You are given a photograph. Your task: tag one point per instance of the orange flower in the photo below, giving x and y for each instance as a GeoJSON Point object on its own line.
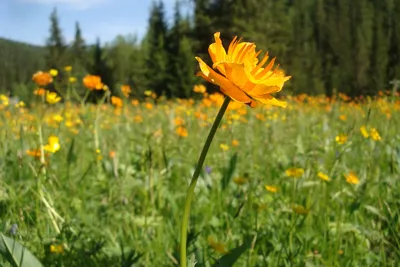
{"type": "Point", "coordinates": [241, 76]}
{"type": "Point", "coordinates": [181, 131]}
{"type": "Point", "coordinates": [39, 92]}
{"type": "Point", "coordinates": [93, 82]}
{"type": "Point", "coordinates": [116, 101]}
{"type": "Point", "coordinates": [42, 78]}
{"type": "Point", "coordinates": [126, 90]}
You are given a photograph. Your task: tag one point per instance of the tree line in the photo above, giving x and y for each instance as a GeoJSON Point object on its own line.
{"type": "Point", "coordinates": [327, 46]}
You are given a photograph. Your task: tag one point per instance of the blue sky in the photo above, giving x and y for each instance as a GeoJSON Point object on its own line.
{"type": "Point", "coordinates": [28, 20]}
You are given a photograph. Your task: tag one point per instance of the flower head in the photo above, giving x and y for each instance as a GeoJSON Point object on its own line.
{"type": "Point", "coordinates": [53, 144]}
{"type": "Point", "coordinates": [364, 131]}
{"type": "Point", "coordinates": [294, 172]}
{"type": "Point", "coordinates": [341, 139]}
{"type": "Point", "coordinates": [323, 176]}
{"type": "Point", "coordinates": [52, 97]}
{"type": "Point", "coordinates": [271, 188]}
{"type": "Point", "coordinates": [241, 76]}
{"type": "Point", "coordinates": [126, 90]}
{"type": "Point", "coordinates": [42, 78]}
{"type": "Point", "coordinates": [53, 72]}
{"type": "Point", "coordinates": [117, 102]}
{"type": "Point", "coordinates": [93, 82]}
{"type": "Point", "coordinates": [351, 178]}
{"type": "Point", "coordinates": [375, 134]}
{"type": "Point", "coordinates": [201, 89]}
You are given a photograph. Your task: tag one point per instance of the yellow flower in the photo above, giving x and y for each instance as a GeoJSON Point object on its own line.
{"type": "Point", "coordinates": [235, 142]}
{"type": "Point", "coordinates": [242, 77]}
{"type": "Point", "coordinates": [341, 139]}
{"type": "Point", "coordinates": [72, 79]}
{"type": "Point", "coordinates": [68, 68]}
{"type": "Point", "coordinates": [148, 93]}
{"type": "Point", "coordinates": [93, 82]}
{"type": "Point", "coordinates": [351, 178]}
{"type": "Point", "coordinates": [343, 117]}
{"type": "Point", "coordinates": [224, 147]}
{"type": "Point", "coordinates": [135, 102]}
{"type": "Point", "coordinates": [138, 119]}
{"type": "Point", "coordinates": [42, 78]}
{"type": "Point", "coordinates": [323, 176]}
{"type": "Point", "coordinates": [364, 131]}
{"type": "Point", "coordinates": [53, 144]}
{"type": "Point", "coordinates": [300, 210]}
{"type": "Point", "coordinates": [56, 249]}
{"type": "Point", "coordinates": [116, 101]}
{"type": "Point", "coordinates": [53, 72]}
{"type": "Point", "coordinates": [375, 134]}
{"type": "Point", "coordinates": [179, 121]}
{"type": "Point", "coordinates": [4, 99]}
{"type": "Point", "coordinates": [294, 172]}
{"type": "Point", "coordinates": [199, 89]}
{"type": "Point", "coordinates": [149, 105]}
{"type": "Point", "coordinates": [217, 246]}
{"type": "Point", "coordinates": [181, 131]}
{"type": "Point", "coordinates": [271, 188]}
{"type": "Point", "coordinates": [126, 90]}
{"type": "Point", "coordinates": [240, 180]}
{"type": "Point", "coordinates": [52, 97]}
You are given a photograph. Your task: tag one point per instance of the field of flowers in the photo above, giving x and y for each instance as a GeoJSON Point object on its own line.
{"type": "Point", "coordinates": [314, 184]}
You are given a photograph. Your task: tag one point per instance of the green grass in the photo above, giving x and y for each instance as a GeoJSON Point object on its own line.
{"type": "Point", "coordinates": [128, 208]}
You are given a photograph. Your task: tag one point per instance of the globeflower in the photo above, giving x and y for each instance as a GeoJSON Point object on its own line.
{"type": "Point", "coordinates": [42, 78]}
{"type": "Point", "coordinates": [93, 82]}
{"type": "Point", "coordinates": [52, 97]}
{"type": "Point", "coordinates": [53, 144]}
{"type": "Point", "coordinates": [241, 75]}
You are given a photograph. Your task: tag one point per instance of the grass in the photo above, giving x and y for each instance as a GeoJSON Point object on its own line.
{"type": "Point", "coordinates": [113, 194]}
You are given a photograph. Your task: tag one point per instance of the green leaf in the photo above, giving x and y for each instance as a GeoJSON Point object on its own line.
{"type": "Point", "coordinates": [232, 256]}
{"type": "Point", "coordinates": [228, 174]}
{"type": "Point", "coordinates": [16, 254]}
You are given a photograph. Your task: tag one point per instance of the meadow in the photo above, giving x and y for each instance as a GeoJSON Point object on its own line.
{"type": "Point", "coordinates": [312, 184]}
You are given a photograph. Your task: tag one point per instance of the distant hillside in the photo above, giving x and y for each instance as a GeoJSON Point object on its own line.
{"type": "Point", "coordinates": [18, 62]}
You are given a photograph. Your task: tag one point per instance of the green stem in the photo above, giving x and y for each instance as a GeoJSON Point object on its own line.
{"type": "Point", "coordinates": [195, 177]}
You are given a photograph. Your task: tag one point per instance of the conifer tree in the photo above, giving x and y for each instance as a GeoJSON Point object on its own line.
{"type": "Point", "coordinates": [56, 46]}
{"type": "Point", "coordinates": [78, 50]}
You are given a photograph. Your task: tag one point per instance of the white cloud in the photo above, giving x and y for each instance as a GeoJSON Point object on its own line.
{"type": "Point", "coordinates": [76, 4]}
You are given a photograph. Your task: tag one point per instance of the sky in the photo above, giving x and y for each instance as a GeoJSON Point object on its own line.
{"type": "Point", "coordinates": [28, 20]}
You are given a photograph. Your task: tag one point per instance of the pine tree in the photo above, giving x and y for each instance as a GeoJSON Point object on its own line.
{"type": "Point", "coordinates": [100, 66]}
{"type": "Point", "coordinates": [78, 50]}
{"type": "Point", "coordinates": [156, 60]}
{"type": "Point", "coordinates": [55, 44]}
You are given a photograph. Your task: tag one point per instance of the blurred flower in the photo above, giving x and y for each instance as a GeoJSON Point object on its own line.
{"type": "Point", "coordinates": [116, 101]}
{"type": "Point", "coordinates": [4, 100]}
{"type": "Point", "coordinates": [148, 93]}
{"type": "Point", "coordinates": [52, 97]}
{"type": "Point", "coordinates": [199, 89]}
{"type": "Point", "coordinates": [271, 188]}
{"type": "Point", "coordinates": [300, 210]}
{"type": "Point", "coordinates": [56, 249]}
{"type": "Point", "coordinates": [68, 68]}
{"type": "Point", "coordinates": [364, 131]}
{"type": "Point", "coordinates": [148, 105]}
{"type": "Point", "coordinates": [242, 77]}
{"type": "Point", "coordinates": [217, 246]}
{"type": "Point", "coordinates": [375, 134]}
{"type": "Point", "coordinates": [343, 117]}
{"type": "Point", "coordinates": [208, 169]}
{"type": "Point", "coordinates": [240, 180]}
{"type": "Point", "coordinates": [294, 172]}
{"type": "Point", "coordinates": [351, 178]}
{"type": "Point", "coordinates": [72, 79]}
{"type": "Point", "coordinates": [181, 131]}
{"type": "Point", "coordinates": [341, 139]}
{"type": "Point", "coordinates": [179, 121]}
{"type": "Point", "coordinates": [126, 90]}
{"type": "Point", "coordinates": [138, 118]}
{"type": "Point", "coordinates": [323, 176]}
{"type": "Point", "coordinates": [93, 82]}
{"type": "Point", "coordinates": [235, 142]}
{"type": "Point", "coordinates": [53, 72]}
{"type": "Point", "coordinates": [224, 147]}
{"type": "Point", "coordinates": [39, 92]}
{"type": "Point", "coordinates": [53, 144]}
{"type": "Point", "coordinates": [34, 153]}
{"type": "Point", "coordinates": [42, 78]}
{"type": "Point", "coordinates": [135, 102]}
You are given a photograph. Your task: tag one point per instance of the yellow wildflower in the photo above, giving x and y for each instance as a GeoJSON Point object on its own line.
{"type": "Point", "coordinates": [343, 117]}
{"type": "Point", "coordinates": [375, 134]}
{"type": "Point", "coordinates": [53, 72]}
{"type": "Point", "coordinates": [351, 178]}
{"type": "Point", "coordinates": [341, 139]}
{"type": "Point", "coordinates": [181, 131]}
{"type": "Point", "coordinates": [271, 188]}
{"type": "Point", "coordinates": [201, 89]}
{"type": "Point", "coordinates": [323, 176]}
{"type": "Point", "coordinates": [42, 78]}
{"type": "Point", "coordinates": [242, 77]}
{"type": "Point", "coordinates": [53, 144]}
{"type": "Point", "coordinates": [56, 249]}
{"type": "Point", "coordinates": [72, 79]}
{"type": "Point", "coordinates": [148, 93]}
{"type": "Point", "coordinates": [68, 68]}
{"type": "Point", "coordinates": [224, 147]}
{"type": "Point", "coordinates": [294, 172]}
{"type": "Point", "coordinates": [116, 101]}
{"type": "Point", "coordinates": [126, 90]}
{"type": "Point", "coordinates": [217, 246]}
{"type": "Point", "coordinates": [235, 142]}
{"type": "Point", "coordinates": [240, 180]}
{"type": "Point", "coordinates": [52, 97]}
{"type": "Point", "coordinates": [364, 131]}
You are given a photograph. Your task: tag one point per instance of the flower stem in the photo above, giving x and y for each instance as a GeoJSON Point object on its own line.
{"type": "Point", "coordinates": [195, 177]}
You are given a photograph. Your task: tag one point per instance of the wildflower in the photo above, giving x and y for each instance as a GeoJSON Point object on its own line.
{"type": "Point", "coordinates": [240, 180]}
{"type": "Point", "coordinates": [93, 82]}
{"type": "Point", "coordinates": [52, 97]}
{"type": "Point", "coordinates": [364, 131]}
{"type": "Point", "coordinates": [242, 77]}
{"type": "Point", "coordinates": [112, 154]}
{"type": "Point", "coordinates": [4, 99]}
{"type": "Point", "coordinates": [42, 78]}
{"type": "Point", "coordinates": [126, 90]}
{"type": "Point", "coordinates": [39, 92]}
{"type": "Point", "coordinates": [271, 188]}
{"type": "Point", "coordinates": [181, 131]}
{"type": "Point", "coordinates": [224, 147]}
{"type": "Point", "coordinates": [72, 79]}
{"type": "Point", "coordinates": [300, 210]}
{"type": "Point", "coordinates": [138, 118]}
{"type": "Point", "coordinates": [375, 134]}
{"type": "Point", "coordinates": [56, 249]}
{"type": "Point", "coordinates": [149, 105]}
{"type": "Point", "coordinates": [201, 89]}
{"type": "Point", "coordinates": [217, 246]}
{"type": "Point", "coordinates": [179, 121]}
{"type": "Point", "coordinates": [34, 153]}
{"type": "Point", "coordinates": [351, 178]}
{"type": "Point", "coordinates": [53, 144]}
{"type": "Point", "coordinates": [343, 117]}
{"type": "Point", "coordinates": [68, 68]}
{"type": "Point", "coordinates": [294, 172]}
{"type": "Point", "coordinates": [53, 72]}
{"type": "Point", "coordinates": [341, 139]}
{"type": "Point", "coordinates": [148, 93]}
{"type": "Point", "coordinates": [135, 102]}
{"type": "Point", "coordinates": [235, 142]}
{"type": "Point", "coordinates": [323, 176]}
{"type": "Point", "coordinates": [116, 101]}
{"type": "Point", "coordinates": [208, 169]}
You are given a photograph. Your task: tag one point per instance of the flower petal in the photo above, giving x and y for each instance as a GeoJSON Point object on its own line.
{"type": "Point", "coordinates": [270, 100]}
{"type": "Point", "coordinates": [268, 86]}
{"type": "Point", "coordinates": [217, 52]}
